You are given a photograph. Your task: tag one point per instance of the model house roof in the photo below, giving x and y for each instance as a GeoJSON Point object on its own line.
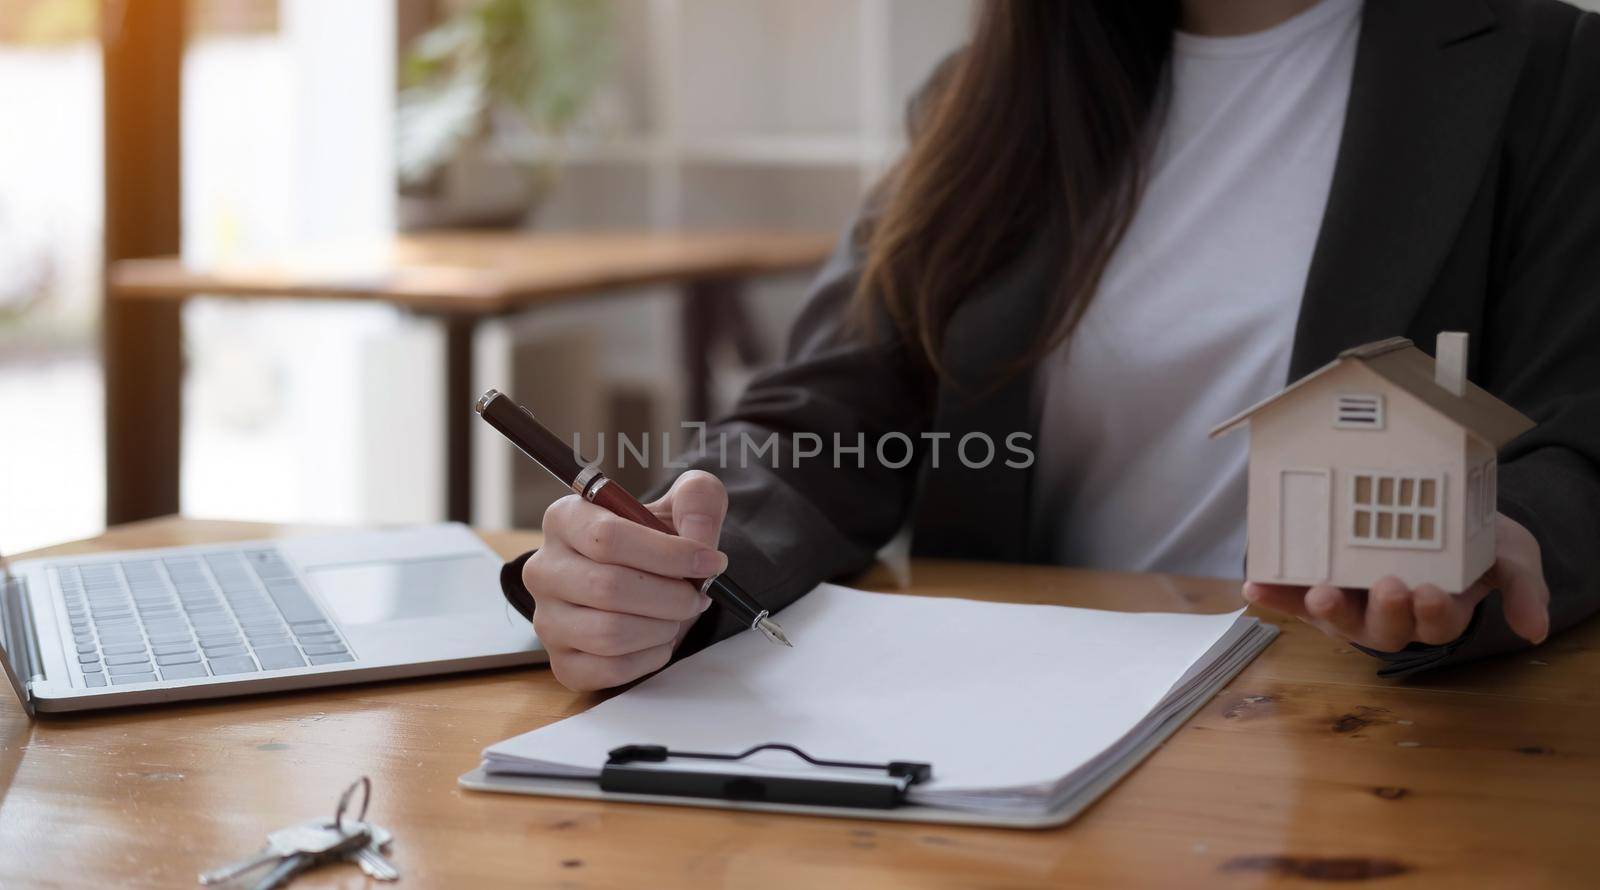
{"type": "Point", "coordinates": [1408, 368]}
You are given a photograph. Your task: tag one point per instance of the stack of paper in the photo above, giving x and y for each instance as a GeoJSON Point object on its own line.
{"type": "Point", "coordinates": [1022, 710]}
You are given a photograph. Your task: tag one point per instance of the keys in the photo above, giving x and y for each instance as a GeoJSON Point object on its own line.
{"type": "Point", "coordinates": [304, 846]}
{"type": "Point", "coordinates": [234, 664]}
{"type": "Point", "coordinates": [183, 671]}
{"type": "Point", "coordinates": [283, 843]}
{"type": "Point", "coordinates": [293, 601]}
{"type": "Point", "coordinates": [278, 657]}
{"type": "Point", "coordinates": [316, 846]}
{"type": "Point", "coordinates": [371, 858]}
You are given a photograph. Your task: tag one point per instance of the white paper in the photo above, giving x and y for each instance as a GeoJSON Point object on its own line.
{"type": "Point", "coordinates": [995, 696]}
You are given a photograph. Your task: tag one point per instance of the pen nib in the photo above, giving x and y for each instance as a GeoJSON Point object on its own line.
{"type": "Point", "coordinates": [773, 632]}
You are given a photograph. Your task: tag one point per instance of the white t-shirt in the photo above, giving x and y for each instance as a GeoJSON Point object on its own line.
{"type": "Point", "coordinates": [1195, 315]}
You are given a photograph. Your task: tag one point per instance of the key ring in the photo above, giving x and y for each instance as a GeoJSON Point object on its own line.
{"type": "Point", "coordinates": [365, 784]}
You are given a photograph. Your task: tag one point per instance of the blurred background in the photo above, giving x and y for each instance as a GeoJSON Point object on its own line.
{"type": "Point", "coordinates": [326, 142]}
{"type": "Point", "coordinates": [371, 210]}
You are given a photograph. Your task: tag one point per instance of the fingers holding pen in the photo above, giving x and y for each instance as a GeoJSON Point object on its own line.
{"type": "Point", "coordinates": [605, 623]}
{"type": "Point", "coordinates": [598, 632]}
{"type": "Point", "coordinates": [610, 595]}
{"type": "Point", "coordinates": [584, 672]}
{"type": "Point", "coordinates": [606, 538]}
{"type": "Point", "coordinates": [558, 573]}
{"type": "Point", "coordinates": [699, 503]}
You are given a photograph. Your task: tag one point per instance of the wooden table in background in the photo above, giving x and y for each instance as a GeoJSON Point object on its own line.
{"type": "Point", "coordinates": [461, 279]}
{"type": "Point", "coordinates": [1306, 769]}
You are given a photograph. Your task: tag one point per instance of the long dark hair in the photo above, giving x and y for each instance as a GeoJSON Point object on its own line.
{"type": "Point", "coordinates": [1042, 123]}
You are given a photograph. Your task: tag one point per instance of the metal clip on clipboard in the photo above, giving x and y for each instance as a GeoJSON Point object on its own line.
{"type": "Point", "coordinates": [624, 774]}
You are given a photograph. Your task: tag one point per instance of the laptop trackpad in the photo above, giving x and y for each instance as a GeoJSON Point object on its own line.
{"type": "Point", "coordinates": [373, 593]}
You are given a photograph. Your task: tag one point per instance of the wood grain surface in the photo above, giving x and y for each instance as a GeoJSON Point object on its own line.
{"type": "Point", "coordinates": [480, 273]}
{"type": "Point", "coordinates": [1306, 771]}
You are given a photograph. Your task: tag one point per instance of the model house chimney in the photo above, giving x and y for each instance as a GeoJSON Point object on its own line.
{"type": "Point", "coordinates": [1450, 362]}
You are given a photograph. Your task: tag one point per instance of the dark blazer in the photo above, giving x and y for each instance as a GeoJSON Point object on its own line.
{"type": "Point", "coordinates": [1466, 196]}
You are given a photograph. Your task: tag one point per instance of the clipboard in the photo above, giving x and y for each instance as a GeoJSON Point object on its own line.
{"type": "Point", "coordinates": [589, 788]}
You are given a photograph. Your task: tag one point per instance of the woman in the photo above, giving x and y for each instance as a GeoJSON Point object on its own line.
{"type": "Point", "coordinates": [1116, 224]}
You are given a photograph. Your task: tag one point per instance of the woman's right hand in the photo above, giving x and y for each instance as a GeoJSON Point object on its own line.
{"type": "Point", "coordinates": [612, 605]}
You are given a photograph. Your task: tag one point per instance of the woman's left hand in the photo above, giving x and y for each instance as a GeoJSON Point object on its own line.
{"type": "Point", "coordinates": [1391, 615]}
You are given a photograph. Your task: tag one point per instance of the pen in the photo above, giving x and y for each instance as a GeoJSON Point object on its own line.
{"type": "Point", "coordinates": [548, 451]}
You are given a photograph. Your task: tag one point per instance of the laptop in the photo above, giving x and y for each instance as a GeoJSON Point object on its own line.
{"type": "Point", "coordinates": [108, 630]}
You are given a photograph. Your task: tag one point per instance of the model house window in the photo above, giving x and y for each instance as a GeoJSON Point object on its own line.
{"type": "Point", "coordinates": [1396, 510]}
{"type": "Point", "coordinates": [1481, 498]}
{"type": "Point", "coordinates": [1482, 511]}
{"type": "Point", "coordinates": [1362, 411]}
{"type": "Point", "coordinates": [1487, 499]}
{"type": "Point", "coordinates": [1474, 499]}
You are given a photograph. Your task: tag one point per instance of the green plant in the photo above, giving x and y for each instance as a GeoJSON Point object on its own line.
{"type": "Point", "coordinates": [537, 61]}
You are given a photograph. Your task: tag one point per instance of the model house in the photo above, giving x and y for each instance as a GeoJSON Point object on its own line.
{"type": "Point", "coordinates": [1381, 462]}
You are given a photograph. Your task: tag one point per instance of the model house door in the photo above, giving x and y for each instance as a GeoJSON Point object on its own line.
{"type": "Point", "coordinates": [1303, 525]}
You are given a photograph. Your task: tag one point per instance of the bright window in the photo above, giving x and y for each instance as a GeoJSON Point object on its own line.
{"type": "Point", "coordinates": [1396, 509]}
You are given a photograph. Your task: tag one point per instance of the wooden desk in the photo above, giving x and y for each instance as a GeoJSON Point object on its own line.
{"type": "Point", "coordinates": [460, 279]}
{"type": "Point", "coordinates": [1306, 770]}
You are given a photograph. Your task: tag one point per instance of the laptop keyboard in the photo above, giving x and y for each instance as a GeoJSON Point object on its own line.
{"type": "Point", "coordinates": [181, 617]}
